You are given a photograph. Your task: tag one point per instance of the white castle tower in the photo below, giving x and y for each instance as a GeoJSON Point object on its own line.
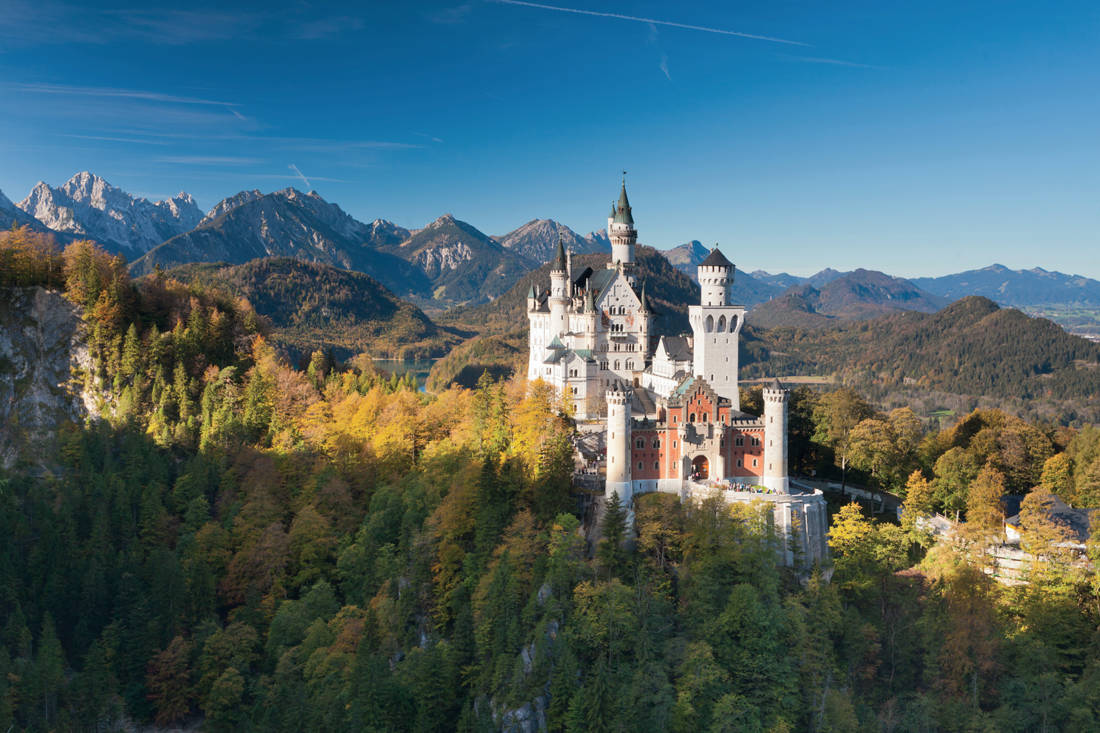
{"type": "Point", "coordinates": [775, 437]}
{"type": "Point", "coordinates": [716, 326]}
{"type": "Point", "coordinates": [559, 293]}
{"type": "Point", "coordinates": [621, 232]}
{"type": "Point", "coordinates": [618, 444]}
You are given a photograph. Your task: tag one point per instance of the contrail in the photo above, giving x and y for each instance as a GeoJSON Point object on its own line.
{"type": "Point", "coordinates": [300, 175]}
{"type": "Point", "coordinates": [636, 19]}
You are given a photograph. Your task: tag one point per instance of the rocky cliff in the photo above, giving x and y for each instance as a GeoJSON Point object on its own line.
{"type": "Point", "coordinates": [42, 343]}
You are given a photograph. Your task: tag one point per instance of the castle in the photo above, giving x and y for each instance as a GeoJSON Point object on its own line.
{"type": "Point", "coordinates": [670, 411]}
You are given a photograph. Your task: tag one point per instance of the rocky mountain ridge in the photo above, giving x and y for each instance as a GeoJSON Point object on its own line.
{"type": "Point", "coordinates": [463, 264]}
{"type": "Point", "coordinates": [286, 223]}
{"type": "Point", "coordinates": [88, 206]}
{"type": "Point", "coordinates": [537, 240]}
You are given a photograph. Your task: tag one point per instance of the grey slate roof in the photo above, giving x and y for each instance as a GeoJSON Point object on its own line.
{"type": "Point", "coordinates": [716, 259]}
{"type": "Point", "coordinates": [677, 348]}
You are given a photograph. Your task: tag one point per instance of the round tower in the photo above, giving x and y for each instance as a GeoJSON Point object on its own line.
{"type": "Point", "coordinates": [618, 443]}
{"type": "Point", "coordinates": [715, 275]}
{"type": "Point", "coordinates": [559, 292]}
{"type": "Point", "coordinates": [590, 320]}
{"type": "Point", "coordinates": [620, 230]}
{"type": "Point", "coordinates": [775, 437]}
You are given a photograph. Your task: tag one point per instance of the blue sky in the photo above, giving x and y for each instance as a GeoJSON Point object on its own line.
{"type": "Point", "coordinates": [914, 138]}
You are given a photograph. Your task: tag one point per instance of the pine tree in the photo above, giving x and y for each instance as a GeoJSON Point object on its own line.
{"type": "Point", "coordinates": [611, 552]}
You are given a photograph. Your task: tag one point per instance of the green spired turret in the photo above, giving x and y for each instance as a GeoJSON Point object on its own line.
{"type": "Point", "coordinates": [622, 209]}
{"type": "Point", "coordinates": [559, 260]}
{"type": "Point", "coordinates": [621, 232]}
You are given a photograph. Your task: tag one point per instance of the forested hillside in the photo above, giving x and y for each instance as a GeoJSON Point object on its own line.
{"type": "Point", "coordinates": [238, 545]}
{"type": "Point", "coordinates": [972, 347]}
{"type": "Point", "coordinates": [314, 306]}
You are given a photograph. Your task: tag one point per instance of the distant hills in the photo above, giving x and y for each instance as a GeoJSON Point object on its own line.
{"type": "Point", "coordinates": [747, 289]}
{"type": "Point", "coordinates": [856, 295]}
{"type": "Point", "coordinates": [312, 305]}
{"type": "Point", "coordinates": [971, 347]}
{"type": "Point", "coordinates": [1016, 287]}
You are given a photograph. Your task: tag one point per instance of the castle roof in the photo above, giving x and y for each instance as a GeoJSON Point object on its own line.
{"type": "Point", "coordinates": [676, 347]}
{"type": "Point", "coordinates": [559, 260]}
{"type": "Point", "coordinates": [622, 209]}
{"type": "Point", "coordinates": [716, 259]}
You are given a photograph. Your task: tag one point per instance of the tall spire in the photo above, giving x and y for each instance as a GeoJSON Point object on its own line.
{"type": "Point", "coordinates": [589, 300]}
{"type": "Point", "coordinates": [559, 261]}
{"type": "Point", "coordinates": [622, 209]}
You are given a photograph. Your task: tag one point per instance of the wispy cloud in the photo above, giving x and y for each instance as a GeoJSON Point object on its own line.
{"type": "Point", "coordinates": [113, 139]}
{"type": "Point", "coordinates": [37, 22]}
{"type": "Point", "coordinates": [832, 62]}
{"type": "Point", "coordinates": [300, 175]}
{"type": "Point", "coordinates": [207, 160]}
{"type": "Point", "coordinates": [653, 21]}
{"type": "Point", "coordinates": [655, 39]}
{"type": "Point", "coordinates": [121, 93]}
{"type": "Point", "coordinates": [433, 138]}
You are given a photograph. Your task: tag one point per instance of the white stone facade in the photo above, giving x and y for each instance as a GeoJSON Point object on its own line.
{"type": "Point", "coordinates": [670, 412]}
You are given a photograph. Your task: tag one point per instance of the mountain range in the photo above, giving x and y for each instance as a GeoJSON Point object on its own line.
{"type": "Point", "coordinates": [288, 223]}
{"type": "Point", "coordinates": [88, 206]}
{"type": "Point", "coordinates": [1015, 287]}
{"type": "Point", "coordinates": [450, 262]}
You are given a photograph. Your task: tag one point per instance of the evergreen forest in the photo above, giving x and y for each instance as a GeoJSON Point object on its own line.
{"type": "Point", "coordinates": [237, 544]}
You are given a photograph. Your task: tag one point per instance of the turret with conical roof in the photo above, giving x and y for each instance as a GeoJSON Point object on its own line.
{"type": "Point", "coordinates": [622, 209]}
{"type": "Point", "coordinates": [559, 291]}
{"type": "Point", "coordinates": [559, 259]}
{"type": "Point", "coordinates": [620, 230]}
{"type": "Point", "coordinates": [715, 276]}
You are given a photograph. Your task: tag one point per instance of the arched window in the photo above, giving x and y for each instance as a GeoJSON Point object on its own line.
{"type": "Point", "coordinates": [616, 363]}
{"type": "Point", "coordinates": [733, 323]}
{"type": "Point", "coordinates": [691, 417]}
{"type": "Point", "coordinates": [721, 323]}
{"type": "Point", "coordinates": [709, 324]}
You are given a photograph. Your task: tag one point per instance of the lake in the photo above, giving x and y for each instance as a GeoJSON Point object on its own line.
{"type": "Point", "coordinates": [418, 367]}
